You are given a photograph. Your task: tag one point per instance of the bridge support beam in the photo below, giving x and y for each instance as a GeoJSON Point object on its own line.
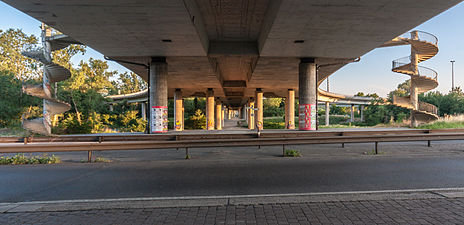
{"type": "Point", "coordinates": [158, 91]}
{"type": "Point", "coordinates": [327, 113]}
{"type": "Point", "coordinates": [218, 121]}
{"type": "Point", "coordinates": [178, 111]}
{"type": "Point", "coordinates": [251, 114]}
{"type": "Point", "coordinates": [210, 109]}
{"type": "Point", "coordinates": [259, 106]}
{"type": "Point", "coordinates": [290, 110]}
{"type": "Point", "coordinates": [307, 94]}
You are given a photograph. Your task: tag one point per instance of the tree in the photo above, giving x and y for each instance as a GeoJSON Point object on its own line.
{"type": "Point", "coordinates": [12, 43]}
{"type": "Point", "coordinates": [130, 83]}
{"type": "Point", "coordinates": [11, 111]}
{"type": "Point", "coordinates": [402, 90]}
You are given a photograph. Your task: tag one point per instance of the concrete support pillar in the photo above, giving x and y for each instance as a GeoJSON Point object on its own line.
{"type": "Point", "coordinates": [361, 111]}
{"type": "Point", "coordinates": [223, 111]}
{"type": "Point", "coordinates": [229, 114]}
{"type": "Point", "coordinates": [218, 121]}
{"type": "Point", "coordinates": [178, 111]}
{"type": "Point", "coordinates": [259, 106]}
{"type": "Point", "coordinates": [352, 113]}
{"type": "Point", "coordinates": [210, 109]}
{"type": "Point", "coordinates": [240, 112]}
{"type": "Point", "coordinates": [414, 55]}
{"type": "Point", "coordinates": [144, 110]}
{"type": "Point", "coordinates": [158, 91]}
{"type": "Point", "coordinates": [290, 110]}
{"type": "Point", "coordinates": [251, 114]}
{"type": "Point", "coordinates": [307, 94]}
{"type": "Point", "coordinates": [327, 113]}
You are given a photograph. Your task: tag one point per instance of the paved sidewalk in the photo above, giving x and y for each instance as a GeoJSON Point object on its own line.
{"type": "Point", "coordinates": [415, 207]}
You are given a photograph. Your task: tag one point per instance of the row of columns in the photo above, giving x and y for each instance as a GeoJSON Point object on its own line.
{"type": "Point", "coordinates": [158, 101]}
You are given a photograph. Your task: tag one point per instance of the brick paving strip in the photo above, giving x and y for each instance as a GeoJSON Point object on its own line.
{"type": "Point", "coordinates": [423, 206]}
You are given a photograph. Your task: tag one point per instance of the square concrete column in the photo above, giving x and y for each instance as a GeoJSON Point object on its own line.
{"type": "Point", "coordinates": [144, 110]}
{"type": "Point", "coordinates": [218, 121]}
{"type": "Point", "coordinates": [290, 110]}
{"type": "Point", "coordinates": [307, 94]}
{"type": "Point", "coordinates": [327, 113]}
{"type": "Point", "coordinates": [259, 106]}
{"type": "Point", "coordinates": [361, 111]}
{"type": "Point", "coordinates": [251, 114]}
{"type": "Point", "coordinates": [178, 111]}
{"type": "Point", "coordinates": [158, 95]}
{"type": "Point", "coordinates": [210, 109]}
{"type": "Point", "coordinates": [352, 113]}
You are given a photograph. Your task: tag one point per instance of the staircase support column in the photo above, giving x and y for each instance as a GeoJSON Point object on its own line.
{"type": "Point", "coordinates": [210, 109]}
{"type": "Point", "coordinates": [158, 90]}
{"type": "Point", "coordinates": [307, 94]}
{"type": "Point", "coordinates": [415, 103]}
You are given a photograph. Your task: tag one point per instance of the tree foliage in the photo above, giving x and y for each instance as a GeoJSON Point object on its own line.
{"type": "Point", "coordinates": [12, 43]}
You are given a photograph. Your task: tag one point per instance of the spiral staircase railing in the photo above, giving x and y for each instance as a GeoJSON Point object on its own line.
{"type": "Point", "coordinates": [423, 47]}
{"type": "Point", "coordinates": [52, 73]}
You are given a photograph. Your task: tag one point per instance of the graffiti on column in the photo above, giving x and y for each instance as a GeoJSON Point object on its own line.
{"type": "Point", "coordinates": [307, 116]}
{"type": "Point", "coordinates": [210, 125]}
{"type": "Point", "coordinates": [159, 120]}
{"type": "Point", "coordinates": [290, 125]}
{"type": "Point", "coordinates": [178, 126]}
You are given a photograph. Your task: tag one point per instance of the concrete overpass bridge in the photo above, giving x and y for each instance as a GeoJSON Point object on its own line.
{"type": "Point", "coordinates": [233, 52]}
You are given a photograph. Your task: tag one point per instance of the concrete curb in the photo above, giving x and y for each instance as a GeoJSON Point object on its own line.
{"type": "Point", "coordinates": [197, 201]}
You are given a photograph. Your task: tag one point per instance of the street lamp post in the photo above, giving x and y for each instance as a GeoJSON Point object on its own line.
{"type": "Point", "coordinates": [452, 75]}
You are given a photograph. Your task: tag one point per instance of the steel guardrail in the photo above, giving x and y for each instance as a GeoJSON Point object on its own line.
{"type": "Point", "coordinates": [309, 138]}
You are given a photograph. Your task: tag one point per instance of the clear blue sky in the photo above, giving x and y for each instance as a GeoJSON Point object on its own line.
{"type": "Point", "coordinates": [371, 75]}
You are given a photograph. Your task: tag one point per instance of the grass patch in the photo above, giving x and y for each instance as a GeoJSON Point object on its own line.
{"type": "Point", "coordinates": [372, 152]}
{"type": "Point", "coordinates": [292, 153]}
{"type": "Point", "coordinates": [442, 125]}
{"type": "Point", "coordinates": [100, 159]}
{"type": "Point", "coordinates": [22, 159]}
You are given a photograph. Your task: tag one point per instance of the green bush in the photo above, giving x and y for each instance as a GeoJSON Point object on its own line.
{"type": "Point", "coordinates": [13, 103]}
{"type": "Point", "coordinates": [21, 159]}
{"type": "Point", "coordinates": [292, 153]}
{"type": "Point", "coordinates": [196, 121]}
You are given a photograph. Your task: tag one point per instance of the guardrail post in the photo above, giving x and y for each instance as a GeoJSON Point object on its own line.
{"type": "Point", "coordinates": [187, 156]}
{"type": "Point", "coordinates": [376, 146]}
{"type": "Point", "coordinates": [283, 150]}
{"type": "Point", "coordinates": [429, 144]}
{"type": "Point", "coordinates": [25, 140]}
{"type": "Point", "coordinates": [343, 145]}
{"type": "Point", "coordinates": [89, 156]}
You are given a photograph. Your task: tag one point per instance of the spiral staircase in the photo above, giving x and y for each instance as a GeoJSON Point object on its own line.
{"type": "Point", "coordinates": [423, 47]}
{"type": "Point", "coordinates": [52, 73]}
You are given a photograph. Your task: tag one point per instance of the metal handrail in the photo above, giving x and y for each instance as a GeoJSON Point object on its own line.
{"type": "Point", "coordinates": [421, 36]}
{"type": "Point", "coordinates": [427, 107]}
{"type": "Point", "coordinates": [421, 70]}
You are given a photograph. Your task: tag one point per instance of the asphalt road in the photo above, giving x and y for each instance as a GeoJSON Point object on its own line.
{"type": "Point", "coordinates": [227, 177]}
